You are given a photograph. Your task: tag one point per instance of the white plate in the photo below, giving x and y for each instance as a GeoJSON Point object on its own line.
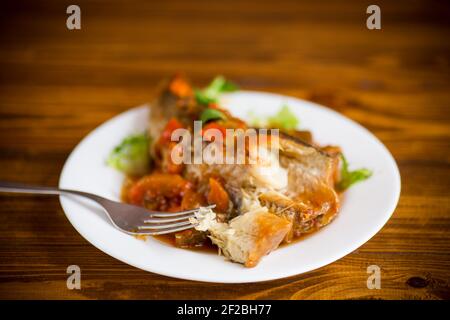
{"type": "Point", "coordinates": [365, 209]}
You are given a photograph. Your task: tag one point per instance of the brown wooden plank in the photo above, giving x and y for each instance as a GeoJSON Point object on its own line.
{"type": "Point", "coordinates": [57, 85]}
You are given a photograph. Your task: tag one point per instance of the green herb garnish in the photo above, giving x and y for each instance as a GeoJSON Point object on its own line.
{"type": "Point", "coordinates": [348, 178]}
{"type": "Point", "coordinates": [212, 114]}
{"type": "Point", "coordinates": [131, 156]}
{"type": "Point", "coordinates": [202, 98]}
{"type": "Point", "coordinates": [284, 119]}
{"type": "Point", "coordinates": [211, 93]}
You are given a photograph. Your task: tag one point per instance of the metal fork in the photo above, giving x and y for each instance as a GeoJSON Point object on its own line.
{"type": "Point", "coordinates": [128, 218]}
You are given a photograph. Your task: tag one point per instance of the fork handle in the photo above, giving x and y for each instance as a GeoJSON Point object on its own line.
{"type": "Point", "coordinates": [14, 187]}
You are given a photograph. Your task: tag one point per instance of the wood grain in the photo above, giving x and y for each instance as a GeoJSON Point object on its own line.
{"type": "Point", "coordinates": [56, 85]}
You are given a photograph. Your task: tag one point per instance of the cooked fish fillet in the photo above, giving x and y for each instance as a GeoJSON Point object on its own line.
{"type": "Point", "coordinates": [273, 200]}
{"type": "Point", "coordinates": [248, 237]}
{"type": "Point", "coordinates": [299, 187]}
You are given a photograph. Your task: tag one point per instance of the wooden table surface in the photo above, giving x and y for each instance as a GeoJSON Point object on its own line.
{"type": "Point", "coordinates": [57, 85]}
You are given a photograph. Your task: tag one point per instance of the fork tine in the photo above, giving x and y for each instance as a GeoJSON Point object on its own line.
{"type": "Point", "coordinates": [175, 214]}
{"type": "Point", "coordinates": [164, 220]}
{"type": "Point", "coordinates": [165, 231]}
{"type": "Point", "coordinates": [164, 226]}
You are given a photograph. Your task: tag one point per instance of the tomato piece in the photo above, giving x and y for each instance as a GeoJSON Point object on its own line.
{"type": "Point", "coordinates": [170, 127]}
{"type": "Point", "coordinates": [218, 196]}
{"type": "Point", "coordinates": [213, 125]}
{"type": "Point", "coordinates": [159, 191]}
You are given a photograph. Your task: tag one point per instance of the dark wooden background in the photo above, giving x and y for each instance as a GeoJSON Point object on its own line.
{"type": "Point", "coordinates": [57, 85]}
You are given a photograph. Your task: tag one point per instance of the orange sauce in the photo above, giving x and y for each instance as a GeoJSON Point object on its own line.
{"type": "Point", "coordinates": [208, 246]}
{"type": "Point", "coordinates": [169, 239]}
{"type": "Point", "coordinates": [298, 239]}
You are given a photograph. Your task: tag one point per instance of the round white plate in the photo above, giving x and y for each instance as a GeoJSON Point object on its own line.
{"type": "Point", "coordinates": [365, 209]}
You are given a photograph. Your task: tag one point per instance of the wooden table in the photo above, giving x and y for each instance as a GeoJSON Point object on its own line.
{"type": "Point", "coordinates": [57, 85]}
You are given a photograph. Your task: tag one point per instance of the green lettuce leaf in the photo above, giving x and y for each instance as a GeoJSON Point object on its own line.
{"type": "Point", "coordinates": [211, 114]}
{"type": "Point", "coordinates": [131, 156]}
{"type": "Point", "coordinates": [348, 178]}
{"type": "Point", "coordinates": [211, 93]}
{"type": "Point", "coordinates": [284, 119]}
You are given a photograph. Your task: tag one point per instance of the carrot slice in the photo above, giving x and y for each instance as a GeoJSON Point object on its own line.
{"type": "Point", "coordinates": [218, 196]}
{"type": "Point", "coordinates": [168, 164]}
{"type": "Point", "coordinates": [180, 87]}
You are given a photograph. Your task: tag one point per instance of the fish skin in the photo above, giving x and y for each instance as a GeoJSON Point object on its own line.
{"type": "Point", "coordinates": [168, 105]}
